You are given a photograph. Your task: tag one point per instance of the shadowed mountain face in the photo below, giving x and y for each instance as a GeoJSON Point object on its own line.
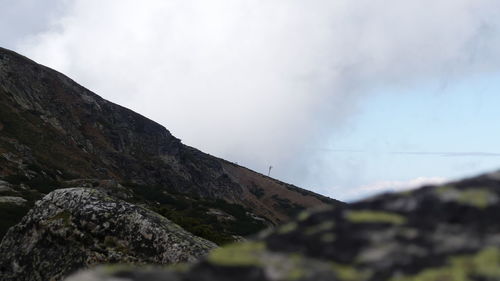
{"type": "Point", "coordinates": [54, 132]}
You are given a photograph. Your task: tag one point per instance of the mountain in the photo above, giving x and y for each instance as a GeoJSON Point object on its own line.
{"type": "Point", "coordinates": [436, 233]}
{"type": "Point", "coordinates": [55, 133]}
{"type": "Point", "coordinates": [112, 186]}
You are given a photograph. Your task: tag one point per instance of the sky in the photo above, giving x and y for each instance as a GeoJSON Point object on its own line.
{"type": "Point", "coordinates": [345, 98]}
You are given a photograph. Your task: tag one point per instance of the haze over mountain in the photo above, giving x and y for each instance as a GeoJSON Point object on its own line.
{"type": "Point", "coordinates": [311, 88]}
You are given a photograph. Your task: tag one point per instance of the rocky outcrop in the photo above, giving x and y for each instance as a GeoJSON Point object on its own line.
{"type": "Point", "coordinates": [74, 228]}
{"type": "Point", "coordinates": [436, 233]}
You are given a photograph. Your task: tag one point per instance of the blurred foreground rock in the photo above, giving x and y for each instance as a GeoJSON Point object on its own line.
{"type": "Point", "coordinates": [448, 232]}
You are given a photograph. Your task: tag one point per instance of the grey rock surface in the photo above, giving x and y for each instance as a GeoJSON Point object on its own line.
{"type": "Point", "coordinates": [74, 228]}
{"type": "Point", "coordinates": [5, 186]}
{"type": "Point", "coordinates": [13, 200]}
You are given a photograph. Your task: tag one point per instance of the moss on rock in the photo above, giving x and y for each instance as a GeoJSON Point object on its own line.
{"type": "Point", "coordinates": [373, 216]}
{"type": "Point", "coordinates": [239, 254]}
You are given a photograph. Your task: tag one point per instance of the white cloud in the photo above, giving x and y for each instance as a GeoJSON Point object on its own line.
{"type": "Point", "coordinates": [388, 186]}
{"type": "Point", "coordinates": [21, 18]}
{"type": "Point", "coordinates": [257, 81]}
{"type": "Point", "coordinates": [396, 185]}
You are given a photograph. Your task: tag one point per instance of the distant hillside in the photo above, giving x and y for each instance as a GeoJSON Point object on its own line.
{"type": "Point", "coordinates": [55, 133]}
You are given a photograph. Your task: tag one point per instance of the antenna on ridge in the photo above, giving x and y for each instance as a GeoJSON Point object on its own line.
{"type": "Point", "coordinates": [269, 173]}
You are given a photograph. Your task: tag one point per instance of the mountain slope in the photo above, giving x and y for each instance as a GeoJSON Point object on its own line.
{"type": "Point", "coordinates": [54, 131]}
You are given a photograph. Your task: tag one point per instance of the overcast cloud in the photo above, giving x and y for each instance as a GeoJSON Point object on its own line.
{"type": "Point", "coordinates": [394, 186]}
{"type": "Point", "coordinates": [258, 81]}
{"type": "Point", "coordinates": [23, 18]}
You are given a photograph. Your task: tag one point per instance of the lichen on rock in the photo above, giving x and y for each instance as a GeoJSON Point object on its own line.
{"type": "Point", "coordinates": [74, 228]}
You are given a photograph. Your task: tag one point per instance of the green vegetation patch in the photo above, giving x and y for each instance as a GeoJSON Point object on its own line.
{"type": "Point", "coordinates": [298, 271]}
{"type": "Point", "coordinates": [474, 197]}
{"type": "Point", "coordinates": [324, 226]}
{"type": "Point", "coordinates": [287, 228]}
{"type": "Point", "coordinates": [349, 273]}
{"type": "Point", "coordinates": [64, 215]}
{"type": "Point", "coordinates": [192, 213]}
{"type": "Point", "coordinates": [369, 216]}
{"type": "Point", "coordinates": [479, 198]}
{"type": "Point", "coordinates": [238, 254]}
{"type": "Point", "coordinates": [304, 215]}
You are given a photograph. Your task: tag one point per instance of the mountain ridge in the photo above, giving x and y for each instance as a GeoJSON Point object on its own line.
{"type": "Point", "coordinates": [53, 130]}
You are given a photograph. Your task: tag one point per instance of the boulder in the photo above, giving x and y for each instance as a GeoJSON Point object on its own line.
{"type": "Point", "coordinates": [71, 229]}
